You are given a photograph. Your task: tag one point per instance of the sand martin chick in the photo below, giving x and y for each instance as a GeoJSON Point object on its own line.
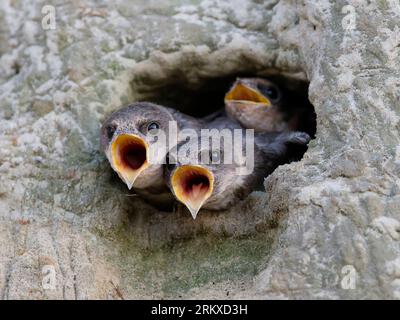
{"type": "Point", "coordinates": [204, 177]}
{"type": "Point", "coordinates": [262, 105]}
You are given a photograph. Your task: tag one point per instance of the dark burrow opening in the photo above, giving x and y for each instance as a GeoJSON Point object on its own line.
{"type": "Point", "coordinates": [151, 226]}
{"type": "Point", "coordinates": [169, 243]}
{"type": "Point", "coordinates": [208, 97]}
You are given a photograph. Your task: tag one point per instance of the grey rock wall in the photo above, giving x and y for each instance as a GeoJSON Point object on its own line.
{"type": "Point", "coordinates": [321, 223]}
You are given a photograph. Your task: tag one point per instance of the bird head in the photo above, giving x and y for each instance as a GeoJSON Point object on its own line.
{"type": "Point", "coordinates": [192, 185]}
{"type": "Point", "coordinates": [251, 95]}
{"type": "Point", "coordinates": [127, 138]}
{"type": "Point", "coordinates": [199, 176]}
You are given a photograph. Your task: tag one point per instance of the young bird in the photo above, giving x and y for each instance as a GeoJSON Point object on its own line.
{"type": "Point", "coordinates": [261, 105]}
{"type": "Point", "coordinates": [203, 178]}
{"type": "Point", "coordinates": [126, 139]}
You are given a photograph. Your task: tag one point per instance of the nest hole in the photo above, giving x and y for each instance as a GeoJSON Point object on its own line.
{"type": "Point", "coordinates": [252, 232]}
{"type": "Point", "coordinates": [152, 226]}
{"type": "Point", "coordinates": [208, 97]}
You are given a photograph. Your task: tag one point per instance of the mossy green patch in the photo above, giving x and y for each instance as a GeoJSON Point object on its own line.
{"type": "Point", "coordinates": [179, 266]}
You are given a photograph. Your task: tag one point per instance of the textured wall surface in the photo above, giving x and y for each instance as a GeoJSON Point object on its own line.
{"type": "Point", "coordinates": [62, 207]}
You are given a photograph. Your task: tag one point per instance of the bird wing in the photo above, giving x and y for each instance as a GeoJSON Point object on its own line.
{"type": "Point", "coordinates": [284, 147]}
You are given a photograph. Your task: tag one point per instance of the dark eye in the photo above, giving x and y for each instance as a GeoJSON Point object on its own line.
{"type": "Point", "coordinates": [153, 126]}
{"type": "Point", "coordinates": [110, 130]}
{"type": "Point", "coordinates": [271, 92]}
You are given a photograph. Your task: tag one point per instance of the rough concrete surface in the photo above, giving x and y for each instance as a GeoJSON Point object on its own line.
{"type": "Point", "coordinates": [334, 215]}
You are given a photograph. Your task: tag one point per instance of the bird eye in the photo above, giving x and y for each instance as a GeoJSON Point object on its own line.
{"type": "Point", "coordinates": [110, 129]}
{"type": "Point", "coordinates": [153, 126]}
{"type": "Point", "coordinates": [271, 92]}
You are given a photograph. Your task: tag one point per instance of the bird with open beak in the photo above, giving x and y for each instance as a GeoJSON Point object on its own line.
{"type": "Point", "coordinates": [126, 139]}
{"type": "Point", "coordinates": [261, 105]}
{"type": "Point", "coordinates": [203, 178]}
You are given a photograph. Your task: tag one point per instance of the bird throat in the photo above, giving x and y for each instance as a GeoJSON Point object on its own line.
{"type": "Point", "coordinates": [192, 185]}
{"type": "Point", "coordinates": [196, 187]}
{"type": "Point", "coordinates": [129, 157]}
{"type": "Point", "coordinates": [133, 156]}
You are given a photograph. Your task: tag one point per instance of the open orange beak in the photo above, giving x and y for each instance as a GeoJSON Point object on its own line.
{"type": "Point", "coordinates": [192, 185]}
{"type": "Point", "coordinates": [129, 157]}
{"type": "Point", "coordinates": [243, 93]}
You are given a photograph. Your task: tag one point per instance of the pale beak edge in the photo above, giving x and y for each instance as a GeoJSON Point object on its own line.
{"type": "Point", "coordinates": [245, 94]}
